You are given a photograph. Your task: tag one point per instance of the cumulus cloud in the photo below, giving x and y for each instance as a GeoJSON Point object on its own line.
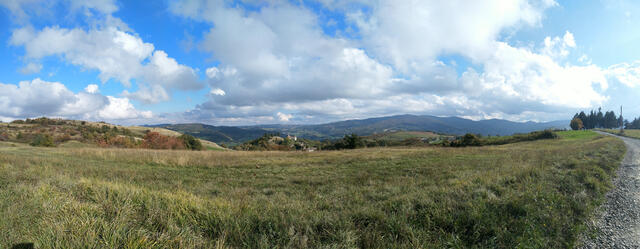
{"type": "Point", "coordinates": [411, 33]}
{"type": "Point", "coordinates": [92, 88]}
{"type": "Point", "coordinates": [114, 53]}
{"type": "Point", "coordinates": [42, 98]}
{"type": "Point", "coordinates": [31, 68]}
{"type": "Point", "coordinates": [558, 47]}
{"type": "Point", "coordinates": [121, 108]}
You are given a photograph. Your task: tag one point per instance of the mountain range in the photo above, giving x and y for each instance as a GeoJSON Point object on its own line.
{"type": "Point", "coordinates": [365, 127]}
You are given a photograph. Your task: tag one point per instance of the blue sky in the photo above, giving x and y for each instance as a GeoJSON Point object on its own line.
{"type": "Point", "coordinates": [257, 62]}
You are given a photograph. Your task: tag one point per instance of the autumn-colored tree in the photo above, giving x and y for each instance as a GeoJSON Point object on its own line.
{"type": "Point", "coordinates": [576, 124]}
{"type": "Point", "coordinates": [155, 140]}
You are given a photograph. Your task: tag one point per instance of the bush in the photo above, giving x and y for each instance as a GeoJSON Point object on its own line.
{"type": "Point", "coordinates": [467, 140]}
{"type": "Point", "coordinates": [64, 138]}
{"type": "Point", "coordinates": [191, 142]}
{"type": "Point", "coordinates": [154, 140]}
{"type": "Point", "coordinates": [42, 140]}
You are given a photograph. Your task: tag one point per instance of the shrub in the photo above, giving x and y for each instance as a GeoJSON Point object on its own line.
{"type": "Point", "coordinates": [122, 142]}
{"type": "Point", "coordinates": [353, 141]}
{"type": "Point", "coordinates": [65, 137]}
{"type": "Point", "coordinates": [467, 140]}
{"type": "Point", "coordinates": [42, 140]}
{"type": "Point", "coordinates": [154, 140]}
{"type": "Point", "coordinates": [190, 142]}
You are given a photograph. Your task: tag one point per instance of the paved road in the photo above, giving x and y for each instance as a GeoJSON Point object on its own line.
{"type": "Point", "coordinates": [619, 221]}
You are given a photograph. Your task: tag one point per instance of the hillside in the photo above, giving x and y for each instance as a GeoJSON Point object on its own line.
{"type": "Point", "coordinates": [220, 134]}
{"type": "Point", "coordinates": [75, 133]}
{"type": "Point", "coordinates": [366, 127]}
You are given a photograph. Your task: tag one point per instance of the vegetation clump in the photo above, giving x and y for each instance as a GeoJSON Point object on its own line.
{"type": "Point", "coordinates": [42, 140]}
{"type": "Point", "coordinates": [52, 132]}
{"type": "Point", "coordinates": [576, 124]}
{"type": "Point", "coordinates": [274, 141]}
{"type": "Point", "coordinates": [190, 142]}
{"type": "Point", "coordinates": [476, 140]}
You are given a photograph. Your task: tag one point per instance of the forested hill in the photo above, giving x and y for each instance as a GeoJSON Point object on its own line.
{"type": "Point", "coordinates": [364, 127]}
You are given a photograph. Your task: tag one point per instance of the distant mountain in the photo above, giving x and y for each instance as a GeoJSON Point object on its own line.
{"type": "Point", "coordinates": [444, 125]}
{"type": "Point", "coordinates": [364, 127]}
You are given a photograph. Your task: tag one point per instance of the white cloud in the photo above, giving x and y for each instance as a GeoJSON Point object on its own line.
{"type": "Point", "coordinates": [284, 117]}
{"type": "Point", "coordinates": [38, 97]}
{"type": "Point", "coordinates": [535, 79]}
{"type": "Point", "coordinates": [114, 53]}
{"type": "Point", "coordinates": [558, 47]}
{"type": "Point", "coordinates": [408, 34]}
{"type": "Point", "coordinates": [42, 98]}
{"type": "Point", "coordinates": [31, 68]}
{"type": "Point", "coordinates": [92, 88]}
{"type": "Point", "coordinates": [121, 108]}
{"type": "Point", "coordinates": [626, 73]}
{"type": "Point", "coordinates": [148, 94]}
{"type": "Point", "coordinates": [217, 91]}
{"type": "Point", "coordinates": [278, 60]}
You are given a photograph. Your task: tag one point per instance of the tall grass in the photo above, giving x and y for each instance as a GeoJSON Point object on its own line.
{"type": "Point", "coordinates": [530, 194]}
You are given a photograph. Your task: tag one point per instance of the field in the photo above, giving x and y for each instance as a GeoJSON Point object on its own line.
{"type": "Point", "coordinates": [528, 194]}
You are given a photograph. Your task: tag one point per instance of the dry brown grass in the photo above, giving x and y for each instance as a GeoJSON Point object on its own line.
{"type": "Point", "coordinates": [530, 194]}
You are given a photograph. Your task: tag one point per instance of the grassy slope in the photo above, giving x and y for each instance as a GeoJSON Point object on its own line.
{"type": "Point", "coordinates": [530, 194]}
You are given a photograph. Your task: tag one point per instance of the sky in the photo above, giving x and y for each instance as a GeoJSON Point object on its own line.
{"type": "Point", "coordinates": [246, 62]}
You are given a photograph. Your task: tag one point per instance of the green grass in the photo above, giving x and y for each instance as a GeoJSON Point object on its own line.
{"type": "Point", "coordinates": [577, 135]}
{"type": "Point", "coordinates": [525, 195]}
{"type": "Point", "coordinates": [633, 133]}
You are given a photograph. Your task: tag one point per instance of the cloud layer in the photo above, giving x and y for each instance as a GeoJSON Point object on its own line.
{"type": "Point", "coordinates": [278, 59]}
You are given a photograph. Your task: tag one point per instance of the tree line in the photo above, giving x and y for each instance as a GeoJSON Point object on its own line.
{"type": "Point", "coordinates": [595, 119]}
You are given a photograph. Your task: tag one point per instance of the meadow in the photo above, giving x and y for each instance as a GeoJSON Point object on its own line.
{"type": "Point", "coordinates": [536, 194]}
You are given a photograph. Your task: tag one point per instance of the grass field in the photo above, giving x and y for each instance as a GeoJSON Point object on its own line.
{"type": "Point", "coordinates": [529, 195]}
{"type": "Point", "coordinates": [633, 133]}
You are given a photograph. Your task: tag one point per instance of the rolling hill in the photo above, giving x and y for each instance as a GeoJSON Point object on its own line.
{"type": "Point", "coordinates": [365, 127]}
